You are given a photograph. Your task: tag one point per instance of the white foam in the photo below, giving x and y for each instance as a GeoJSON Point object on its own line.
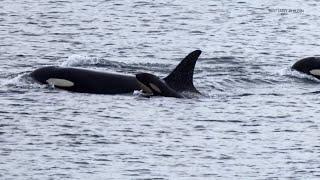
{"type": "Point", "coordinates": [297, 74]}
{"type": "Point", "coordinates": [13, 81]}
{"type": "Point", "coordinates": [77, 60]}
{"type": "Point", "coordinates": [20, 80]}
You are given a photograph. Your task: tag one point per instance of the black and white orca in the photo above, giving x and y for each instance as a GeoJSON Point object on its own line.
{"type": "Point", "coordinates": [309, 65]}
{"type": "Point", "coordinates": [89, 81]}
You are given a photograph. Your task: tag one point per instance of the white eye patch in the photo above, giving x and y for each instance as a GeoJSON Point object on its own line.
{"type": "Point", "coordinates": [145, 88]}
{"type": "Point", "coordinates": [154, 87]}
{"type": "Point", "coordinates": [315, 72]}
{"type": "Point", "coordinates": [60, 82]}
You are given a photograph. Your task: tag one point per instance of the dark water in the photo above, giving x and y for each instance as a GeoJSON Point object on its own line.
{"type": "Point", "coordinates": [256, 120]}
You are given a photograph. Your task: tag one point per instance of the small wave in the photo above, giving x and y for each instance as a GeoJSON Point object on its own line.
{"type": "Point", "coordinates": [19, 81]}
{"type": "Point", "coordinates": [192, 95]}
{"type": "Point", "coordinates": [80, 60]}
{"type": "Point", "coordinates": [221, 60]}
{"type": "Point", "coordinates": [313, 92]}
{"type": "Point", "coordinates": [86, 61]}
{"type": "Point", "coordinates": [15, 80]}
{"type": "Point", "coordinates": [75, 60]}
{"type": "Point", "coordinates": [297, 75]}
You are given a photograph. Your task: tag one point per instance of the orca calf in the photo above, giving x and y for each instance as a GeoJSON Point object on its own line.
{"type": "Point", "coordinates": [89, 81]}
{"type": "Point", "coordinates": [309, 65]}
{"type": "Point", "coordinates": [153, 85]}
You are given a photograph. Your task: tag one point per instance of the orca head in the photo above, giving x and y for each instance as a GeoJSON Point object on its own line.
{"type": "Point", "coordinates": [181, 78]}
{"type": "Point", "coordinates": [43, 74]}
{"type": "Point", "coordinates": [309, 65]}
{"type": "Point", "coordinates": [52, 76]}
{"type": "Point", "coordinates": [153, 85]}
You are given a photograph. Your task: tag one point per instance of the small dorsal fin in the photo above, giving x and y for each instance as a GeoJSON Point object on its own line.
{"type": "Point", "coordinates": [181, 78]}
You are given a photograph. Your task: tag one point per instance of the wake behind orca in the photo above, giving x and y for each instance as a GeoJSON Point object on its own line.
{"type": "Point", "coordinates": [89, 81]}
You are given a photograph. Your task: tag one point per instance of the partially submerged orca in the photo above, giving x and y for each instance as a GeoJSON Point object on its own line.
{"type": "Point", "coordinates": [153, 85]}
{"type": "Point", "coordinates": [89, 81]}
{"type": "Point", "coordinates": [309, 65]}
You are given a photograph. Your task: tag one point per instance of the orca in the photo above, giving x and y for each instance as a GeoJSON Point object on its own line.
{"type": "Point", "coordinates": [85, 81]}
{"type": "Point", "coordinates": [153, 85]}
{"type": "Point", "coordinates": [90, 81]}
{"type": "Point", "coordinates": [309, 65]}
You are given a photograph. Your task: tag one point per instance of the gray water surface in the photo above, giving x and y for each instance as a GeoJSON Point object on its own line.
{"type": "Point", "coordinates": [257, 119]}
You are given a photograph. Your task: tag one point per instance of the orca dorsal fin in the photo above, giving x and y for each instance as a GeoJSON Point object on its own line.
{"type": "Point", "coordinates": [181, 78]}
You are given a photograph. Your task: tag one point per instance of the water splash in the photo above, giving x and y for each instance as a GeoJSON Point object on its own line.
{"type": "Point", "coordinates": [19, 83]}
{"type": "Point", "coordinates": [79, 60]}
{"type": "Point", "coordinates": [298, 75]}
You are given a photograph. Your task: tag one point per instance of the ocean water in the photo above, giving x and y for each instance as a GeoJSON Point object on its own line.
{"type": "Point", "coordinates": [257, 119]}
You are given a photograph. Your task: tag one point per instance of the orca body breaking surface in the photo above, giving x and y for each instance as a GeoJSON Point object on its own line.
{"type": "Point", "coordinates": [85, 81]}
{"type": "Point", "coordinates": [309, 65]}
{"type": "Point", "coordinates": [90, 81]}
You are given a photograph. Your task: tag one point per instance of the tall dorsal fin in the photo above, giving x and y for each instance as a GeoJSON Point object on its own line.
{"type": "Point", "coordinates": [181, 78]}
